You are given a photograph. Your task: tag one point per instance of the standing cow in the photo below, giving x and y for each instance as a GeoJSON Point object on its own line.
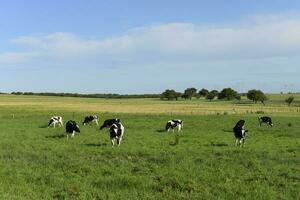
{"type": "Point", "coordinates": [116, 132]}
{"type": "Point", "coordinates": [55, 120]}
{"type": "Point", "coordinates": [174, 124]}
{"type": "Point", "coordinates": [72, 128]}
{"type": "Point", "coordinates": [89, 119]}
{"type": "Point", "coordinates": [265, 120]}
{"type": "Point", "coordinates": [240, 133]}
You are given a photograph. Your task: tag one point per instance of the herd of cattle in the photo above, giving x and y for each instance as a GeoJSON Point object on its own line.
{"type": "Point", "coordinates": [116, 128]}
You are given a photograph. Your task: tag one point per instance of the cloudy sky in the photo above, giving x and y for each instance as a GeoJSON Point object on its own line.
{"type": "Point", "coordinates": [139, 46]}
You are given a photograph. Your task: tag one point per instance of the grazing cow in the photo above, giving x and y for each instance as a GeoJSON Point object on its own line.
{"type": "Point", "coordinates": [116, 132]}
{"type": "Point", "coordinates": [72, 128]}
{"type": "Point", "coordinates": [55, 120]}
{"type": "Point", "coordinates": [240, 133]}
{"type": "Point", "coordinates": [89, 119]}
{"type": "Point", "coordinates": [173, 124]}
{"type": "Point", "coordinates": [265, 120]}
{"type": "Point", "coordinates": [109, 122]}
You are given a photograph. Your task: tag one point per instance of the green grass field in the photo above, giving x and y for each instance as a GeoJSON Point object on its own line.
{"type": "Point", "coordinates": [201, 162]}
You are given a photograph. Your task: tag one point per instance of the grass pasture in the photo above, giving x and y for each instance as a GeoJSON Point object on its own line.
{"type": "Point", "coordinates": [202, 163]}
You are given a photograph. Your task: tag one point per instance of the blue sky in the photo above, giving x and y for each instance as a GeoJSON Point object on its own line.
{"type": "Point", "coordinates": [94, 46]}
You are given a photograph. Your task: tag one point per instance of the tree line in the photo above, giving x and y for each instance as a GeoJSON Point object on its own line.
{"type": "Point", "coordinates": [169, 94]}
{"type": "Point", "coordinates": [112, 96]}
{"type": "Point", "coordinates": [225, 94]}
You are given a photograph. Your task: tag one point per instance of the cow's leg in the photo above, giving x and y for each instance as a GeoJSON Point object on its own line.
{"type": "Point", "coordinates": [54, 124]}
{"type": "Point", "coordinates": [242, 142]}
{"type": "Point", "coordinates": [73, 133]}
{"type": "Point", "coordinates": [179, 128]}
{"type": "Point", "coordinates": [236, 142]}
{"type": "Point", "coordinates": [119, 141]}
{"type": "Point", "coordinates": [113, 142]}
{"type": "Point", "coordinates": [97, 122]}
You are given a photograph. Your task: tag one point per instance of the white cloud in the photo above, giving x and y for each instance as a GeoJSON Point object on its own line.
{"type": "Point", "coordinates": [172, 42]}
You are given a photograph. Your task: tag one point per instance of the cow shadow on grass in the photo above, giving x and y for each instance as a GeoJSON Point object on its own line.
{"type": "Point", "coordinates": [161, 130]}
{"type": "Point", "coordinates": [96, 144]}
{"type": "Point", "coordinates": [43, 126]}
{"type": "Point", "coordinates": [217, 144]}
{"type": "Point", "coordinates": [56, 136]}
{"type": "Point", "coordinates": [227, 130]}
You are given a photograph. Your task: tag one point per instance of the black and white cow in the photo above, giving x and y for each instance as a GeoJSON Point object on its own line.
{"type": "Point", "coordinates": [265, 120]}
{"type": "Point", "coordinates": [72, 128]}
{"type": "Point", "coordinates": [109, 122]}
{"type": "Point", "coordinates": [89, 119]}
{"type": "Point", "coordinates": [174, 124]}
{"type": "Point", "coordinates": [55, 120]}
{"type": "Point", "coordinates": [240, 123]}
{"type": "Point", "coordinates": [116, 132]}
{"type": "Point", "coordinates": [240, 133]}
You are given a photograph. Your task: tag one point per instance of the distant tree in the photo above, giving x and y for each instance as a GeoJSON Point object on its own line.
{"type": "Point", "coordinates": [256, 95]}
{"type": "Point", "coordinates": [184, 96]}
{"type": "Point", "coordinates": [177, 95]}
{"type": "Point", "coordinates": [251, 95]}
{"type": "Point", "coordinates": [17, 93]}
{"type": "Point", "coordinates": [289, 100]}
{"type": "Point", "coordinates": [215, 92]}
{"type": "Point", "coordinates": [190, 92]}
{"type": "Point", "coordinates": [263, 98]}
{"type": "Point", "coordinates": [28, 93]}
{"type": "Point", "coordinates": [210, 96]}
{"type": "Point", "coordinates": [170, 95]}
{"type": "Point", "coordinates": [228, 94]}
{"type": "Point", "coordinates": [238, 97]}
{"type": "Point", "coordinates": [203, 92]}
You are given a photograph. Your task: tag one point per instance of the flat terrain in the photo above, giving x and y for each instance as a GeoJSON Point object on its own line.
{"type": "Point", "coordinates": [201, 162]}
{"type": "Point", "coordinates": [276, 105]}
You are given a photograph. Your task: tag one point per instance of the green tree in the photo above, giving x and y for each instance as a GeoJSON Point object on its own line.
{"type": "Point", "coordinates": [228, 94]}
{"type": "Point", "coordinates": [256, 95]}
{"type": "Point", "coordinates": [215, 92]}
{"type": "Point", "coordinates": [189, 93]}
{"type": "Point", "coordinates": [210, 96]}
{"type": "Point", "coordinates": [203, 92]}
{"type": "Point", "coordinates": [170, 95]}
{"type": "Point", "coordinates": [289, 100]}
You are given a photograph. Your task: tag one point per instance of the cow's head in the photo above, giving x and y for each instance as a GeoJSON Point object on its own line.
{"type": "Point", "coordinates": [76, 129]}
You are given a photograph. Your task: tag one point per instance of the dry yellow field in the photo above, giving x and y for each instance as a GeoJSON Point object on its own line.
{"type": "Point", "coordinates": [148, 106]}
